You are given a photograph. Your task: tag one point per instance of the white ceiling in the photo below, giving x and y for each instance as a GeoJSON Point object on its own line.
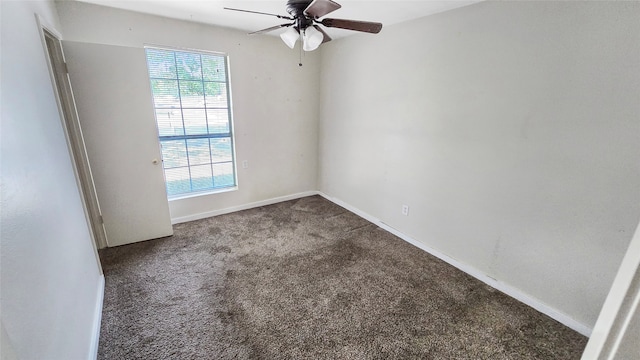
{"type": "Point", "coordinates": [212, 12]}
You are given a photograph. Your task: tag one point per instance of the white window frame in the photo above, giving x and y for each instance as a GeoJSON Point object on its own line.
{"type": "Point", "coordinates": [230, 134]}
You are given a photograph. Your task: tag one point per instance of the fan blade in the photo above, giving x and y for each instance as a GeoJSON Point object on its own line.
{"type": "Point", "coordinates": [320, 8]}
{"type": "Point", "coordinates": [270, 29]}
{"type": "Point", "coordinates": [261, 13]}
{"type": "Point", "coordinates": [326, 36]}
{"type": "Point", "coordinates": [364, 26]}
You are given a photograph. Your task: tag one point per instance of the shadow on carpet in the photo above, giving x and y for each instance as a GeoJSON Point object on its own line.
{"type": "Point", "coordinates": [306, 279]}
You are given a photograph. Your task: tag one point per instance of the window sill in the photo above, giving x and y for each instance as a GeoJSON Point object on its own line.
{"type": "Point", "coordinates": [201, 193]}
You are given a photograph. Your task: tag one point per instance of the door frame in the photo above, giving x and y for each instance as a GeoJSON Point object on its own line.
{"type": "Point", "coordinates": [622, 303]}
{"type": "Point", "coordinates": [54, 55]}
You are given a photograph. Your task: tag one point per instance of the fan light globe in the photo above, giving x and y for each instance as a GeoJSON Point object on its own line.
{"type": "Point", "coordinates": [290, 37]}
{"type": "Point", "coordinates": [312, 39]}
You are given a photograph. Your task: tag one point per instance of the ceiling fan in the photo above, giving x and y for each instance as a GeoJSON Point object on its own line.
{"type": "Point", "coordinates": [305, 15]}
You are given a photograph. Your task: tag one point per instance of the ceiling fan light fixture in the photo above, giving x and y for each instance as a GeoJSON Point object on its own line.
{"type": "Point", "coordinates": [305, 23]}
{"type": "Point", "coordinates": [290, 37]}
{"type": "Point", "coordinates": [312, 38]}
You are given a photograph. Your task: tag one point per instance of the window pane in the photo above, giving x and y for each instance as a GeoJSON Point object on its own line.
{"type": "Point", "coordinates": [213, 67]}
{"type": "Point", "coordinates": [192, 94]}
{"type": "Point", "coordinates": [201, 178]}
{"type": "Point", "coordinates": [191, 107]}
{"type": "Point", "coordinates": [215, 94]}
{"type": "Point", "coordinates": [169, 122]}
{"type": "Point", "coordinates": [221, 150]}
{"type": "Point", "coordinates": [195, 122]}
{"type": "Point", "coordinates": [178, 181]}
{"type": "Point", "coordinates": [198, 151]}
{"type": "Point", "coordinates": [165, 93]}
{"type": "Point", "coordinates": [223, 175]}
{"type": "Point", "coordinates": [174, 153]}
{"type": "Point", "coordinates": [218, 120]}
{"type": "Point", "coordinates": [161, 64]}
{"type": "Point", "coordinates": [189, 66]}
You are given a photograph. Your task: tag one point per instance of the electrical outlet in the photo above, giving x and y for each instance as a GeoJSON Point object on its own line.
{"type": "Point", "coordinates": [405, 210]}
{"type": "Point", "coordinates": [245, 164]}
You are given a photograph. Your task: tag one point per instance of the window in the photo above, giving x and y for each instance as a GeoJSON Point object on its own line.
{"type": "Point", "coordinates": [192, 108]}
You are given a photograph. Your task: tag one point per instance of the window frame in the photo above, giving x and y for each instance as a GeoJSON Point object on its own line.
{"type": "Point", "coordinates": [185, 137]}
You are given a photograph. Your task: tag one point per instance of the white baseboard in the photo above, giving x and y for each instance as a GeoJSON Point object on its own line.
{"type": "Point", "coordinates": [252, 205]}
{"type": "Point", "coordinates": [97, 320]}
{"type": "Point", "coordinates": [499, 285]}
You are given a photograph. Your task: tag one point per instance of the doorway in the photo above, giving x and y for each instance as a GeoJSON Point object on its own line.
{"type": "Point", "coordinates": [74, 136]}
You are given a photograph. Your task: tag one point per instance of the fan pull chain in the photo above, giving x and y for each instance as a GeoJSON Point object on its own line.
{"type": "Point", "coordinates": [301, 42]}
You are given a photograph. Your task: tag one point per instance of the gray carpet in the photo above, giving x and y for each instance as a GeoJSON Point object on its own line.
{"type": "Point", "coordinates": [306, 279]}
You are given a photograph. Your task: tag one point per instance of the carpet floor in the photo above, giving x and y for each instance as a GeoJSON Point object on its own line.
{"type": "Point", "coordinates": [307, 279]}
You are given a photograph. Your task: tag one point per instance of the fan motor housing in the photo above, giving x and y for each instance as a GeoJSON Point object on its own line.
{"type": "Point", "coordinates": [296, 9]}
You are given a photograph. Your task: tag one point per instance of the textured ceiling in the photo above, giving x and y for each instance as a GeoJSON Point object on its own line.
{"type": "Point", "coordinates": [212, 12]}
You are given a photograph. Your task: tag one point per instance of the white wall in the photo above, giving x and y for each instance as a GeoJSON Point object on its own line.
{"type": "Point", "coordinates": [50, 278]}
{"type": "Point", "coordinates": [275, 102]}
{"type": "Point", "coordinates": [510, 128]}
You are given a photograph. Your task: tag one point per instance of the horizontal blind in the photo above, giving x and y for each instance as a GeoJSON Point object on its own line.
{"type": "Point", "coordinates": [191, 102]}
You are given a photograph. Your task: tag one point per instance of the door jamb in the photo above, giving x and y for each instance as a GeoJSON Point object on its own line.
{"type": "Point", "coordinates": [623, 301]}
{"type": "Point", "coordinates": [73, 134]}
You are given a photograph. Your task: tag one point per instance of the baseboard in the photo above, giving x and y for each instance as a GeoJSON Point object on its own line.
{"type": "Point", "coordinates": [498, 285]}
{"type": "Point", "coordinates": [252, 205]}
{"type": "Point", "coordinates": [97, 320]}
